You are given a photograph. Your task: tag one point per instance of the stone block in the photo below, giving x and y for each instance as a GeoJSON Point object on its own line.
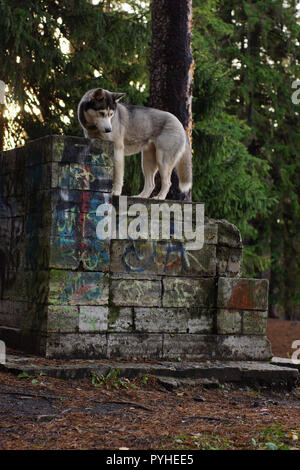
{"type": "Point", "coordinates": [254, 322]}
{"type": "Point", "coordinates": [218, 347]}
{"type": "Point", "coordinates": [78, 288]}
{"type": "Point", "coordinates": [243, 347]}
{"type": "Point", "coordinates": [173, 320]}
{"type": "Point", "coordinates": [9, 313]}
{"type": "Point", "coordinates": [36, 253]}
{"type": "Point", "coordinates": [34, 316]}
{"type": "Point", "coordinates": [14, 286]}
{"type": "Point", "coordinates": [120, 319]}
{"type": "Point", "coordinates": [185, 292]}
{"type": "Point", "coordinates": [61, 319]}
{"type": "Point", "coordinates": [135, 292]}
{"type": "Point", "coordinates": [129, 345]}
{"type": "Point", "coordinates": [9, 184]}
{"type": "Point", "coordinates": [38, 177]}
{"type": "Point", "coordinates": [78, 203]}
{"type": "Point", "coordinates": [63, 253]}
{"type": "Point", "coordinates": [156, 320]}
{"type": "Point", "coordinates": [248, 294]}
{"type": "Point", "coordinates": [210, 232]}
{"type": "Point", "coordinates": [65, 220]}
{"type": "Point", "coordinates": [189, 346]}
{"type": "Point", "coordinates": [12, 248]}
{"type": "Point", "coordinates": [69, 149]}
{"type": "Point", "coordinates": [36, 286]}
{"type": "Point", "coordinates": [16, 207]}
{"type": "Point", "coordinates": [229, 322]}
{"type": "Point", "coordinates": [39, 151]}
{"type": "Point", "coordinates": [162, 258]}
{"type": "Point", "coordinates": [229, 261]}
{"type": "Point", "coordinates": [95, 255]}
{"type": "Point", "coordinates": [201, 320]}
{"type": "Point", "coordinates": [93, 319]}
{"type": "Point", "coordinates": [228, 234]}
{"type": "Point", "coordinates": [76, 346]}
{"type": "Point", "coordinates": [37, 203]}
{"type": "Point", "coordinates": [17, 230]}
{"type": "Point", "coordinates": [82, 177]}
{"type": "Point", "coordinates": [68, 253]}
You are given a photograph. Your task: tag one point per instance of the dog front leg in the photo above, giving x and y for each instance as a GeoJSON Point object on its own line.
{"type": "Point", "coordinates": [118, 171]}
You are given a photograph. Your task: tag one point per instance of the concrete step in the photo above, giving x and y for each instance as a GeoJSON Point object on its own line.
{"type": "Point", "coordinates": [253, 373]}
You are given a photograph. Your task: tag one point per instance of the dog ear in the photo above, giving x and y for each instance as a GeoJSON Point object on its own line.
{"type": "Point", "coordinates": [117, 96]}
{"type": "Point", "coordinates": [98, 94]}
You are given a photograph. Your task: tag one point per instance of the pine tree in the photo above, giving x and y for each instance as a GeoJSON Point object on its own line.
{"type": "Point", "coordinates": [263, 53]}
{"type": "Point", "coordinates": [106, 48]}
{"type": "Point", "coordinates": [227, 178]}
{"type": "Point", "coordinates": [30, 56]}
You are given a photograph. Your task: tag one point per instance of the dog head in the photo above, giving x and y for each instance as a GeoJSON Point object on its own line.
{"type": "Point", "coordinates": [97, 109]}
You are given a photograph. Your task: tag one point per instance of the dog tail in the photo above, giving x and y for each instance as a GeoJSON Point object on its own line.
{"type": "Point", "coordinates": [184, 169]}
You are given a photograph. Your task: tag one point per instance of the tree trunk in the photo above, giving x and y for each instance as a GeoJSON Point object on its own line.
{"type": "Point", "coordinates": [2, 126]}
{"type": "Point", "coordinates": [172, 66]}
{"type": "Point", "coordinates": [2, 110]}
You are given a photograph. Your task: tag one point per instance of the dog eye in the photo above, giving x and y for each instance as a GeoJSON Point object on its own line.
{"type": "Point", "coordinates": [101, 113]}
{"type": "Point", "coordinates": [91, 128]}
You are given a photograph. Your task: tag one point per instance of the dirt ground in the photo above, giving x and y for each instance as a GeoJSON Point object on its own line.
{"type": "Point", "coordinates": [99, 413]}
{"type": "Point", "coordinates": [281, 334]}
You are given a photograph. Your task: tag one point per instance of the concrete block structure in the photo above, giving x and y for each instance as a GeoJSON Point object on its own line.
{"type": "Point", "coordinates": [66, 293]}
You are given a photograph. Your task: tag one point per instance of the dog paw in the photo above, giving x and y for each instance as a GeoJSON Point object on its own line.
{"type": "Point", "coordinates": [116, 192]}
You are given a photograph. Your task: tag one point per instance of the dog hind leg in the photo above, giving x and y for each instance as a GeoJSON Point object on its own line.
{"type": "Point", "coordinates": [165, 171]}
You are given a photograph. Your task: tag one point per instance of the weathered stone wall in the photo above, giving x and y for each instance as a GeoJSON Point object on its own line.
{"type": "Point", "coordinates": [65, 293]}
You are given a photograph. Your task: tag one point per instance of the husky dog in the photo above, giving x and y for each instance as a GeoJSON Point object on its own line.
{"type": "Point", "coordinates": [157, 134]}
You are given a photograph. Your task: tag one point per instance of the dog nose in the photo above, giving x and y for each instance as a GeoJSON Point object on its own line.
{"type": "Point", "coordinates": [107, 129]}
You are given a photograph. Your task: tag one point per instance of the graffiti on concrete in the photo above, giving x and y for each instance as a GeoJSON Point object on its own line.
{"type": "Point", "coordinates": [74, 223]}
{"type": "Point", "coordinates": [163, 257]}
{"type": "Point", "coordinates": [77, 288]}
{"type": "Point", "coordinates": [143, 263]}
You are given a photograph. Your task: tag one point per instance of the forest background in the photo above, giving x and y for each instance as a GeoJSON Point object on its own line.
{"type": "Point", "coordinates": [246, 123]}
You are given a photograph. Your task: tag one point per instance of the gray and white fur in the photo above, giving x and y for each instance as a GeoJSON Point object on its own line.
{"type": "Point", "coordinates": [159, 135]}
